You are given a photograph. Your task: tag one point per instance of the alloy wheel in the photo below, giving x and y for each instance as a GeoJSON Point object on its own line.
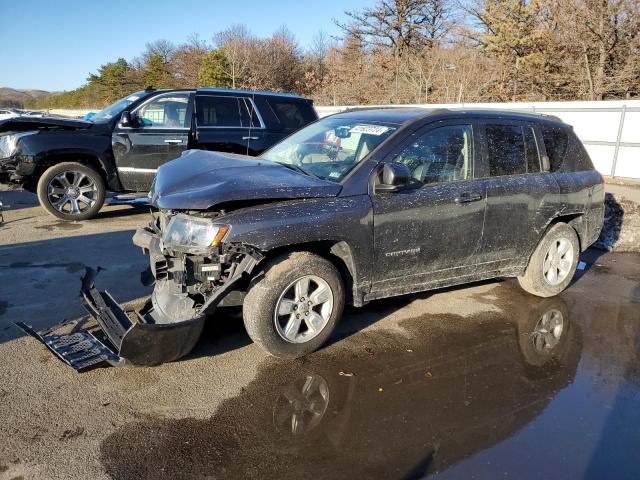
{"type": "Point", "coordinates": [558, 261]}
{"type": "Point", "coordinates": [303, 309]}
{"type": "Point", "coordinates": [72, 192]}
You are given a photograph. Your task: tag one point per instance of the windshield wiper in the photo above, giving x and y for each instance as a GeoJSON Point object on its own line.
{"type": "Point", "coordinates": [297, 169]}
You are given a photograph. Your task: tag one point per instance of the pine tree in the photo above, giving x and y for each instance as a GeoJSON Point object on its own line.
{"type": "Point", "coordinates": [213, 71]}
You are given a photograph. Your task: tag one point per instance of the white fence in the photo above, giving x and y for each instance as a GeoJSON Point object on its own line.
{"type": "Point", "coordinates": [65, 112]}
{"type": "Point", "coordinates": [610, 130]}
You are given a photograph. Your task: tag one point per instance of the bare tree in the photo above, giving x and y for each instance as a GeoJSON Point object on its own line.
{"type": "Point", "coordinates": [187, 59]}
{"type": "Point", "coordinates": [236, 43]}
{"type": "Point", "coordinates": [162, 47]}
{"type": "Point", "coordinates": [401, 26]}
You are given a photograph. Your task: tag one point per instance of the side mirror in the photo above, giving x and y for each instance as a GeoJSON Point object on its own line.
{"type": "Point", "coordinates": [126, 120]}
{"type": "Point", "coordinates": [394, 176]}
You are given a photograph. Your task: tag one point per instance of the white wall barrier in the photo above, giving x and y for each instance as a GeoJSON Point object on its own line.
{"type": "Point", "coordinates": [610, 130]}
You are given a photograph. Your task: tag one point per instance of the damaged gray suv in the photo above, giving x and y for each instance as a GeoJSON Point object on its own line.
{"type": "Point", "coordinates": [357, 206]}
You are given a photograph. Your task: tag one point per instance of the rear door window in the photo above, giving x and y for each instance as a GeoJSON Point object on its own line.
{"type": "Point", "coordinates": [555, 143]}
{"type": "Point", "coordinates": [219, 111]}
{"type": "Point", "coordinates": [531, 149]}
{"type": "Point", "coordinates": [292, 114]}
{"type": "Point", "coordinates": [505, 150]}
{"type": "Point", "coordinates": [248, 115]}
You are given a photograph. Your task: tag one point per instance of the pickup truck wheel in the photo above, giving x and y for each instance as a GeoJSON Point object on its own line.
{"type": "Point", "coordinates": [553, 262]}
{"type": "Point", "coordinates": [71, 191]}
{"type": "Point", "coordinates": [294, 306]}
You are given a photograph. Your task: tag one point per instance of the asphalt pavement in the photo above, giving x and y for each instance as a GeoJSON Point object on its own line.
{"type": "Point", "coordinates": [481, 381]}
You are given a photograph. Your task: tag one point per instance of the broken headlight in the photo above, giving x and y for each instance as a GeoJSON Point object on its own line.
{"type": "Point", "coordinates": [9, 143]}
{"type": "Point", "coordinates": [185, 233]}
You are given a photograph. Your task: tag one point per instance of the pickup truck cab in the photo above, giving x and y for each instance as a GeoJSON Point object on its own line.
{"type": "Point", "coordinates": [71, 164]}
{"type": "Point", "coordinates": [357, 206]}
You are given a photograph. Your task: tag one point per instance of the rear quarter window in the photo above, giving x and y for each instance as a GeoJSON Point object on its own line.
{"type": "Point", "coordinates": [292, 114]}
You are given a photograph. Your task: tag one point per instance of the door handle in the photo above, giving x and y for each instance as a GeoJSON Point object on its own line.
{"type": "Point", "coordinates": [468, 197]}
{"type": "Point", "coordinates": [250, 138]}
{"type": "Point", "coordinates": [175, 141]}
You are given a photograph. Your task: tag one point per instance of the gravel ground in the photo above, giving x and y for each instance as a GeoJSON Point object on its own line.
{"type": "Point", "coordinates": [116, 422]}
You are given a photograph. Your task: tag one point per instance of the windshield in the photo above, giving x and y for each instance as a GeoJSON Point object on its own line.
{"type": "Point", "coordinates": [330, 148]}
{"type": "Point", "coordinates": [117, 108]}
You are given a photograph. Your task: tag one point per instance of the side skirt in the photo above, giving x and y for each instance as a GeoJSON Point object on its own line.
{"type": "Point", "coordinates": [401, 289]}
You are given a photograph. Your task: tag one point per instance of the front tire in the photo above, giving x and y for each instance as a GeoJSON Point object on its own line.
{"type": "Point", "coordinates": [293, 308]}
{"type": "Point", "coordinates": [71, 191]}
{"type": "Point", "coordinates": [553, 262]}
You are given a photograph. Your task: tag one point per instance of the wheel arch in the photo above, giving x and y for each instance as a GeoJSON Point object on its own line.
{"type": "Point", "coordinates": [88, 158]}
{"type": "Point", "coordinates": [338, 252]}
{"type": "Point", "coordinates": [574, 220]}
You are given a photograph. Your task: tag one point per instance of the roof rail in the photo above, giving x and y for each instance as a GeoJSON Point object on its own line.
{"type": "Point", "coordinates": [247, 92]}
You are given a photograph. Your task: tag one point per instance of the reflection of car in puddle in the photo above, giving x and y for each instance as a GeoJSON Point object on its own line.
{"type": "Point", "coordinates": [301, 405]}
{"type": "Point", "coordinates": [489, 380]}
{"type": "Point", "coordinates": [418, 406]}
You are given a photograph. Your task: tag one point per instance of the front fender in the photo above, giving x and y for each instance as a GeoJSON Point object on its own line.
{"type": "Point", "coordinates": [51, 146]}
{"type": "Point", "coordinates": [346, 223]}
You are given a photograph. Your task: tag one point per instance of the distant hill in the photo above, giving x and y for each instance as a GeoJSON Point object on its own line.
{"type": "Point", "coordinates": [13, 97]}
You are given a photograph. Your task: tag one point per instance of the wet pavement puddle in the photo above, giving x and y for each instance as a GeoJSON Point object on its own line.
{"type": "Point", "coordinates": [542, 389]}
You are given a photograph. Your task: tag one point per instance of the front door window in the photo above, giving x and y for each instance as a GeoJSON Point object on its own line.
{"type": "Point", "coordinates": [166, 111]}
{"type": "Point", "coordinates": [443, 154]}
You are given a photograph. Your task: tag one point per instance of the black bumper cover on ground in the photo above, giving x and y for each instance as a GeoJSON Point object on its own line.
{"type": "Point", "coordinates": [119, 339]}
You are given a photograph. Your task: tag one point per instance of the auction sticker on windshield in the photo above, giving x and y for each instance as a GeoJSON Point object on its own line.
{"type": "Point", "coordinates": [370, 129]}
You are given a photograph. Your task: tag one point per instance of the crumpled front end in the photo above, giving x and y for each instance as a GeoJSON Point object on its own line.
{"type": "Point", "coordinates": [188, 286]}
{"type": "Point", "coordinates": [194, 279]}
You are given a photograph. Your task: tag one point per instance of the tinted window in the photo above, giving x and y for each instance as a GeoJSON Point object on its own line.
{"type": "Point", "coordinates": [212, 111]}
{"type": "Point", "coordinates": [292, 114]}
{"type": "Point", "coordinates": [555, 142]}
{"type": "Point", "coordinates": [218, 111]}
{"type": "Point", "coordinates": [506, 150]}
{"type": "Point", "coordinates": [248, 115]}
{"type": "Point", "coordinates": [166, 111]}
{"type": "Point", "coordinates": [531, 149]}
{"type": "Point", "coordinates": [440, 155]}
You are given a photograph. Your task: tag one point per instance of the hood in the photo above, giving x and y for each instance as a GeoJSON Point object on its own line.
{"type": "Point", "coordinates": [200, 180]}
{"type": "Point", "coordinates": [30, 123]}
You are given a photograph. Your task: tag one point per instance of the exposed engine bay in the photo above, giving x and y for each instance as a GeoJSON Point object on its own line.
{"type": "Point", "coordinates": [191, 280]}
{"type": "Point", "coordinates": [189, 284]}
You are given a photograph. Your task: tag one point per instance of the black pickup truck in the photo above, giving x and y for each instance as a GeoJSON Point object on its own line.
{"type": "Point", "coordinates": [71, 164]}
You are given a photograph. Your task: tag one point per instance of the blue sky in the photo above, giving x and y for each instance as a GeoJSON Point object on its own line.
{"type": "Point", "coordinates": [55, 44]}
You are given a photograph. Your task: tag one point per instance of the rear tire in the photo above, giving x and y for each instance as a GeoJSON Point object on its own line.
{"type": "Point", "coordinates": [307, 293]}
{"type": "Point", "coordinates": [71, 191]}
{"type": "Point", "coordinates": [553, 262]}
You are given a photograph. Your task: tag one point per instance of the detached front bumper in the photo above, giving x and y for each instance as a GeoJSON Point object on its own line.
{"type": "Point", "coordinates": [118, 337]}
{"type": "Point", "coordinates": [167, 327]}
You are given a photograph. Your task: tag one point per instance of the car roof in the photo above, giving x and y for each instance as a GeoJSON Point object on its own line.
{"type": "Point", "coordinates": [225, 91]}
{"type": "Point", "coordinates": [401, 115]}
{"type": "Point", "coordinates": [231, 91]}
{"type": "Point", "coordinates": [397, 115]}
{"type": "Point", "coordinates": [505, 114]}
